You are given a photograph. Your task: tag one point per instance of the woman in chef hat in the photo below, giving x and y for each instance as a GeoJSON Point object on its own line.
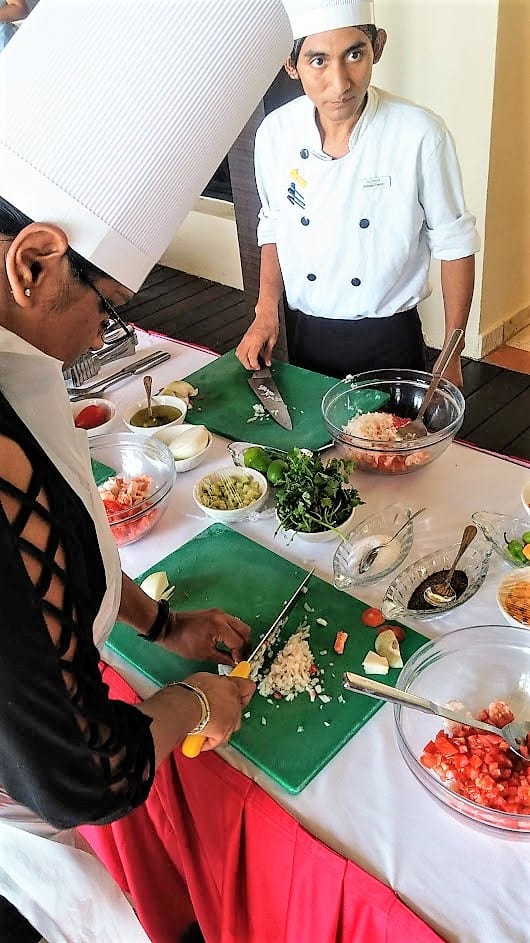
{"type": "Point", "coordinates": [101, 157]}
{"type": "Point", "coordinates": [358, 190]}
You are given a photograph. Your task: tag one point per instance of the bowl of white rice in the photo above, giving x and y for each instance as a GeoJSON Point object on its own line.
{"type": "Point", "coordinates": [363, 413]}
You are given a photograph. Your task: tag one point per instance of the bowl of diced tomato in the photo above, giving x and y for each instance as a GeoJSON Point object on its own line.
{"type": "Point", "coordinates": [482, 672]}
{"type": "Point", "coordinates": [140, 473]}
{"type": "Point", "coordinates": [94, 415]}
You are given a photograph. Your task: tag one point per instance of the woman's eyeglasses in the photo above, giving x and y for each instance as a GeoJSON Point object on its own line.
{"type": "Point", "coordinates": [115, 329]}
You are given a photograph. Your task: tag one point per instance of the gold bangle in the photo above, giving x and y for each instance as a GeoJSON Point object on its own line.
{"type": "Point", "coordinates": [203, 700]}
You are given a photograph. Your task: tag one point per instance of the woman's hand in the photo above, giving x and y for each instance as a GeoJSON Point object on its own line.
{"type": "Point", "coordinates": [227, 697]}
{"type": "Point", "coordinates": [261, 339]}
{"type": "Point", "coordinates": [195, 635]}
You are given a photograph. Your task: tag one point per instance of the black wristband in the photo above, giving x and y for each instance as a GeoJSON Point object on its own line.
{"type": "Point", "coordinates": [159, 624]}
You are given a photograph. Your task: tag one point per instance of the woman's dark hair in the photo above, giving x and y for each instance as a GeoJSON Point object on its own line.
{"type": "Point", "coordinates": [369, 29]}
{"type": "Point", "coordinates": [13, 221]}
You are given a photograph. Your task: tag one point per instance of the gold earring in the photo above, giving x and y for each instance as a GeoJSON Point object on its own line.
{"type": "Point", "coordinates": [27, 292]}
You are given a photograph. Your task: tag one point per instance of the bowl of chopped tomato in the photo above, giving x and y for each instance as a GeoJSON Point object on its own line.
{"type": "Point", "coordinates": [482, 672]}
{"type": "Point", "coordinates": [95, 415]}
{"type": "Point", "coordinates": [363, 413]}
{"type": "Point", "coordinates": [141, 474]}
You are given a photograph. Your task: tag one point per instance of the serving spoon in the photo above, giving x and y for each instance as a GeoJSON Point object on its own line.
{"type": "Point", "coordinates": [369, 557]}
{"type": "Point", "coordinates": [515, 733]}
{"type": "Point", "coordinates": [441, 593]}
{"type": "Point", "coordinates": [417, 428]}
{"type": "Point", "coordinates": [148, 386]}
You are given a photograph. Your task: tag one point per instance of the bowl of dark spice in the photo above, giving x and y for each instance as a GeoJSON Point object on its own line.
{"type": "Point", "coordinates": [404, 597]}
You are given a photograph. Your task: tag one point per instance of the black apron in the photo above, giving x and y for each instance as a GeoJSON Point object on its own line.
{"type": "Point", "coordinates": [340, 347]}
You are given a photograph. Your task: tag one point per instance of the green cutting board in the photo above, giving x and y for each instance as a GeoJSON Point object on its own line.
{"type": "Point", "coordinates": [101, 471]}
{"type": "Point", "coordinates": [225, 401]}
{"type": "Point", "coordinates": [222, 568]}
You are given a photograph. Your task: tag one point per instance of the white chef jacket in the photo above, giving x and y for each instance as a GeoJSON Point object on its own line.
{"type": "Point", "coordinates": [63, 890]}
{"type": "Point", "coordinates": [355, 235]}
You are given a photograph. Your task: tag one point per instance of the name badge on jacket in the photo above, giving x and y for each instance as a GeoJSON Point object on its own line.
{"type": "Point", "coordinates": [373, 183]}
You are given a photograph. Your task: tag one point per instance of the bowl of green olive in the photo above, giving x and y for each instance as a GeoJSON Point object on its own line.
{"type": "Point", "coordinates": [231, 494]}
{"type": "Point", "coordinates": [509, 536]}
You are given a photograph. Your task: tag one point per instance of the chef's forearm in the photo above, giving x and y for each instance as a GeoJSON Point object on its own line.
{"type": "Point", "coordinates": [13, 10]}
{"type": "Point", "coordinates": [136, 608]}
{"type": "Point", "coordinates": [458, 282]}
{"type": "Point", "coordinates": [270, 282]}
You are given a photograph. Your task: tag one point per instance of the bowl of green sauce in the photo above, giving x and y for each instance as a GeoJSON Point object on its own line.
{"type": "Point", "coordinates": [166, 412]}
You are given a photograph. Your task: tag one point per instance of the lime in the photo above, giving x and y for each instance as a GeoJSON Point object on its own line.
{"type": "Point", "coordinates": [276, 471]}
{"type": "Point", "coordinates": [255, 457]}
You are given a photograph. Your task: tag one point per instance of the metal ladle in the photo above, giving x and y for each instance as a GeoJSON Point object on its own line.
{"type": "Point", "coordinates": [441, 593]}
{"type": "Point", "coordinates": [148, 386]}
{"type": "Point", "coordinates": [514, 733]}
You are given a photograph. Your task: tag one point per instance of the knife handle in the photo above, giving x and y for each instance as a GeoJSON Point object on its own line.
{"type": "Point", "coordinates": [193, 742]}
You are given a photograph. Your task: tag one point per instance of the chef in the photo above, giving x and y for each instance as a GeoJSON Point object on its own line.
{"type": "Point", "coordinates": [358, 190]}
{"type": "Point", "coordinates": [98, 168]}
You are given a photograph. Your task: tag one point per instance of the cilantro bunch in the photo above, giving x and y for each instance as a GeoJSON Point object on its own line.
{"type": "Point", "coordinates": [312, 496]}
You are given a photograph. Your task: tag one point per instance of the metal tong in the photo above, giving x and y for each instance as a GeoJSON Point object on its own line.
{"type": "Point", "coordinates": [95, 389]}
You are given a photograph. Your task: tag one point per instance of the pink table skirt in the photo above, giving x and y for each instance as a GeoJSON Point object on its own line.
{"type": "Point", "coordinates": [212, 845]}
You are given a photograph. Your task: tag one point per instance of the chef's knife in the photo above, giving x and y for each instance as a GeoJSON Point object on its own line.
{"type": "Point", "coordinates": [192, 744]}
{"type": "Point", "coordinates": [263, 385]}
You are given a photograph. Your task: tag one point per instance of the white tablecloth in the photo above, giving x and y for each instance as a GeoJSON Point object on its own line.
{"type": "Point", "coordinates": [470, 886]}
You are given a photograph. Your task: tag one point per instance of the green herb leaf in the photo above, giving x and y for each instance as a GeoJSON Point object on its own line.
{"type": "Point", "coordinates": [314, 496]}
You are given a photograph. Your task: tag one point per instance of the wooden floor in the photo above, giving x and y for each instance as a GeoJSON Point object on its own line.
{"type": "Point", "coordinates": [202, 312]}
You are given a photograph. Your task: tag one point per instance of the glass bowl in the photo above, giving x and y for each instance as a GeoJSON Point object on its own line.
{"type": "Point", "coordinates": [475, 666]}
{"type": "Point", "coordinates": [499, 529]}
{"type": "Point", "coordinates": [373, 530]}
{"type": "Point", "coordinates": [525, 497]}
{"type": "Point", "coordinates": [128, 455]}
{"type": "Point", "coordinates": [405, 390]}
{"type": "Point", "coordinates": [474, 563]}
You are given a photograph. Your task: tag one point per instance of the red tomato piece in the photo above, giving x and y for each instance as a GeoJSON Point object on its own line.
{"type": "Point", "coordinates": [91, 416]}
{"type": "Point", "coordinates": [372, 617]}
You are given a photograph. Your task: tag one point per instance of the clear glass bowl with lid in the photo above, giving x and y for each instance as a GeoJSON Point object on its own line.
{"type": "Point", "coordinates": [473, 666]}
{"type": "Point", "coordinates": [375, 529]}
{"type": "Point", "coordinates": [400, 393]}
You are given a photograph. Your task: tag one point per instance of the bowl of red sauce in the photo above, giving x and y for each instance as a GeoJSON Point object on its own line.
{"type": "Point", "coordinates": [94, 415]}
{"type": "Point", "coordinates": [483, 672]}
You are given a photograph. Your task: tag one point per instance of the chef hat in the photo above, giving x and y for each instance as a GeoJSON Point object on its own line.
{"type": "Point", "coordinates": [308, 17]}
{"type": "Point", "coordinates": [118, 114]}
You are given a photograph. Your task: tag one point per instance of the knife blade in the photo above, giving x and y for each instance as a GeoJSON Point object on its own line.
{"type": "Point", "coordinates": [263, 385]}
{"type": "Point", "coordinates": [192, 744]}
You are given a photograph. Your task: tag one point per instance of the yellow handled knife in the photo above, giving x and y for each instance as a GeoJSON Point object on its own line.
{"type": "Point", "coordinates": [193, 743]}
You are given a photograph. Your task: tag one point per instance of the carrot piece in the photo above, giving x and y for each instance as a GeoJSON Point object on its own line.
{"type": "Point", "coordinates": [340, 642]}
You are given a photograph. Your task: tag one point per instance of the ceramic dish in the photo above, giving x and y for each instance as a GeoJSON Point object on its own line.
{"type": "Point", "coordinates": [173, 401]}
{"type": "Point", "coordinates": [322, 536]}
{"type": "Point", "coordinates": [474, 563]}
{"type": "Point", "coordinates": [500, 529]}
{"type": "Point", "coordinates": [377, 528]}
{"type": "Point", "coordinates": [525, 497]}
{"type": "Point", "coordinates": [513, 598]}
{"type": "Point", "coordinates": [183, 464]}
{"type": "Point", "coordinates": [105, 404]}
{"type": "Point", "coordinates": [474, 666]}
{"type": "Point", "coordinates": [213, 487]}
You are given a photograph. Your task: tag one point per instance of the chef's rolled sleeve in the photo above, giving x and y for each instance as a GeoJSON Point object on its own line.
{"type": "Point", "coordinates": [450, 228]}
{"type": "Point", "coordinates": [268, 214]}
